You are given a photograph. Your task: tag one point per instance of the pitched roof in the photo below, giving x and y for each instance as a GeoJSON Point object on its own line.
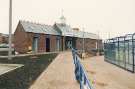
{"type": "Point", "coordinates": [68, 31]}
{"type": "Point", "coordinates": [65, 29]}
{"type": "Point", "coordinates": [38, 28]}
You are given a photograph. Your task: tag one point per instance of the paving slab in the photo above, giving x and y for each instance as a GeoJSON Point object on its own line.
{"type": "Point", "coordinates": [59, 74]}
{"type": "Point", "coordinates": [4, 68]}
{"type": "Point", "coordinates": [108, 76]}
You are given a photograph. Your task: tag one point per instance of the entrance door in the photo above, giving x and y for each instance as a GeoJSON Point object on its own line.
{"type": "Point", "coordinates": [74, 43]}
{"type": "Point", "coordinates": [58, 45]}
{"type": "Point", "coordinates": [47, 44]}
{"type": "Point", "coordinates": [35, 44]}
{"type": "Point", "coordinates": [69, 42]}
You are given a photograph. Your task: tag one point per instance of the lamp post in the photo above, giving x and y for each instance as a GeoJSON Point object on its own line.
{"type": "Point", "coordinates": [98, 43]}
{"type": "Point", "coordinates": [10, 30]}
{"type": "Point", "coordinates": [83, 42]}
{"type": "Point", "coordinates": [83, 51]}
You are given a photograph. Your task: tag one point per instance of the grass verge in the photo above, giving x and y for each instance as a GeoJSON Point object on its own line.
{"type": "Point", "coordinates": [23, 77]}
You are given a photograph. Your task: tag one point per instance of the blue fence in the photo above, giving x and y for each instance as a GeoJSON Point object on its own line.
{"type": "Point", "coordinates": [80, 72]}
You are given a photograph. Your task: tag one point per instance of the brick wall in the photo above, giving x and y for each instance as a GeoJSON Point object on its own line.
{"type": "Point", "coordinates": [4, 38]}
{"type": "Point", "coordinates": [30, 40]}
{"type": "Point", "coordinates": [42, 43]}
{"type": "Point", "coordinates": [52, 43]}
{"type": "Point", "coordinates": [0, 39]}
{"type": "Point", "coordinates": [20, 39]}
{"type": "Point", "coordinates": [89, 44]}
{"type": "Point", "coordinates": [23, 41]}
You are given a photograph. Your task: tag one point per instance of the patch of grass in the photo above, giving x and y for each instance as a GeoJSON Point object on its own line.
{"type": "Point", "coordinates": [23, 77]}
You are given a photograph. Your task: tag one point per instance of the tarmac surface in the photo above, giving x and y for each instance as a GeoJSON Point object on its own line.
{"type": "Point", "coordinates": [108, 76]}
{"type": "Point", "coordinates": [58, 75]}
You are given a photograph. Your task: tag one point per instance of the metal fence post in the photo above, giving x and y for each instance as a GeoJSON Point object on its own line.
{"type": "Point", "coordinates": [133, 51]}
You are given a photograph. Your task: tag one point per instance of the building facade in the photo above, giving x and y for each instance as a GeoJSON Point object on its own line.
{"type": "Point", "coordinates": [3, 38]}
{"type": "Point", "coordinates": [33, 37]}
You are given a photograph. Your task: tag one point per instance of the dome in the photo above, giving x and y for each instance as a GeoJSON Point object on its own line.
{"type": "Point", "coordinates": [63, 19]}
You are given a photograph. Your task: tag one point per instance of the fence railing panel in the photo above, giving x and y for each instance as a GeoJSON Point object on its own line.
{"type": "Point", "coordinates": [80, 72]}
{"type": "Point", "coordinates": [121, 51]}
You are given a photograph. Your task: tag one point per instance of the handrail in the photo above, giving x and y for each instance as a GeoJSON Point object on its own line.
{"type": "Point", "coordinates": [80, 72]}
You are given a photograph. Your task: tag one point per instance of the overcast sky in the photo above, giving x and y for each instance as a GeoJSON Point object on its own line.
{"type": "Point", "coordinates": [116, 17]}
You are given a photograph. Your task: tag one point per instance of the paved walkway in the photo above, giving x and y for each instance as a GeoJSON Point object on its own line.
{"type": "Point", "coordinates": [108, 76]}
{"type": "Point", "coordinates": [59, 74]}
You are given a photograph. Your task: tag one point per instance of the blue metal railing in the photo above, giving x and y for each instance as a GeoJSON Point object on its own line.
{"type": "Point", "coordinates": [80, 72]}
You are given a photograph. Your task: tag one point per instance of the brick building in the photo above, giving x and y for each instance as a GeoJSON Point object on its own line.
{"type": "Point", "coordinates": [3, 38]}
{"type": "Point", "coordinates": [0, 38]}
{"type": "Point", "coordinates": [46, 38]}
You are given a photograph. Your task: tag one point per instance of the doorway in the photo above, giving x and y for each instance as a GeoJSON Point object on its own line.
{"type": "Point", "coordinates": [35, 44]}
{"type": "Point", "coordinates": [58, 44]}
{"type": "Point", "coordinates": [47, 44]}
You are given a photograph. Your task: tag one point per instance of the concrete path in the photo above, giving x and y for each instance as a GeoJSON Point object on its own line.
{"type": "Point", "coordinates": [59, 74]}
{"type": "Point", "coordinates": [108, 76]}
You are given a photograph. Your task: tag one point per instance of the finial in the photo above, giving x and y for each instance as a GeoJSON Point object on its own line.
{"type": "Point", "coordinates": [62, 11]}
{"type": "Point", "coordinates": [62, 18]}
